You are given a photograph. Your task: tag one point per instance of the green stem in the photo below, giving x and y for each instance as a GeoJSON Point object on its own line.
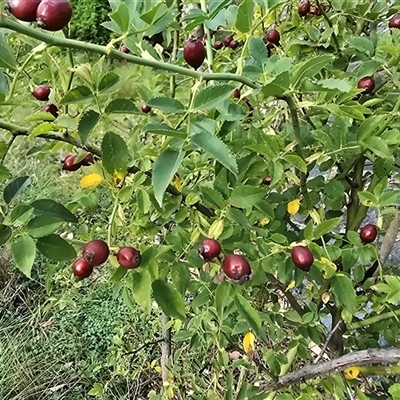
{"type": "Point", "coordinates": [372, 320]}
{"type": "Point", "coordinates": [380, 370]}
{"type": "Point", "coordinates": [112, 53]}
{"type": "Point", "coordinates": [209, 49]}
{"type": "Point", "coordinates": [299, 148]}
{"type": "Point", "coordinates": [21, 69]}
{"type": "Point", "coordinates": [172, 82]}
{"type": "Point", "coordinates": [9, 144]}
{"type": "Point", "coordinates": [327, 19]}
{"type": "Point", "coordinates": [112, 216]}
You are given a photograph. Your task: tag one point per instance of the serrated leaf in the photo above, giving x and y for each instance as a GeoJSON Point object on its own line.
{"type": "Point", "coordinates": [217, 148]}
{"type": "Point", "coordinates": [164, 169]}
{"type": "Point", "coordinates": [296, 161]}
{"type": "Point", "coordinates": [43, 225]}
{"type": "Point", "coordinates": [277, 85]}
{"type": "Point", "coordinates": [258, 50]}
{"type": "Point", "coordinates": [336, 84]}
{"type": "Point", "coordinates": [107, 81]}
{"type": "Point", "coordinates": [42, 128]}
{"type": "Point", "coordinates": [310, 68]}
{"type": "Point", "coordinates": [23, 251]}
{"type": "Point", "coordinates": [212, 96]}
{"type": "Point", "coordinates": [326, 226]}
{"type": "Point", "coordinates": [368, 199]}
{"type": "Point", "coordinates": [121, 106]}
{"type": "Point", "coordinates": [170, 301]}
{"type": "Point", "coordinates": [143, 201]}
{"type": "Point", "coordinates": [222, 297]}
{"type": "Point", "coordinates": [121, 17]}
{"type": "Point", "coordinates": [40, 116]}
{"type": "Point", "coordinates": [80, 94]}
{"type": "Point", "coordinates": [244, 19]}
{"type": "Point", "coordinates": [86, 124]}
{"type": "Point", "coordinates": [55, 248]}
{"type": "Point", "coordinates": [115, 153]}
{"type": "Point", "coordinates": [7, 59]}
{"type": "Point", "coordinates": [362, 44]}
{"type": "Point", "coordinates": [167, 104]}
{"type": "Point", "coordinates": [246, 196]}
{"type": "Point", "coordinates": [377, 146]}
{"type": "Point", "coordinates": [51, 207]}
{"type": "Point", "coordinates": [14, 188]}
{"type": "Point", "coordinates": [344, 292]}
{"type": "Point", "coordinates": [164, 129]}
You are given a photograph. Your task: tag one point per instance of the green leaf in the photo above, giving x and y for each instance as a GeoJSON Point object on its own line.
{"type": "Point", "coordinates": [97, 390]}
{"type": "Point", "coordinates": [118, 274]}
{"type": "Point", "coordinates": [143, 200]}
{"type": "Point", "coordinates": [222, 297]}
{"type": "Point", "coordinates": [14, 188]}
{"type": "Point", "coordinates": [107, 81]}
{"type": "Point", "coordinates": [217, 148]}
{"type": "Point", "coordinates": [362, 44]}
{"type": "Point", "coordinates": [55, 248]}
{"type": "Point", "coordinates": [86, 124]}
{"type": "Point", "coordinates": [344, 292]}
{"type": "Point", "coordinates": [51, 207]}
{"type": "Point", "coordinates": [246, 196]}
{"type": "Point", "coordinates": [310, 68]}
{"type": "Point", "coordinates": [170, 301]}
{"type": "Point", "coordinates": [277, 85]}
{"type": "Point", "coordinates": [248, 312]}
{"type": "Point", "coordinates": [80, 94]}
{"type": "Point", "coordinates": [377, 146]}
{"type": "Point", "coordinates": [121, 17]}
{"type": "Point", "coordinates": [167, 104]}
{"type": "Point", "coordinates": [258, 50]}
{"type": "Point", "coordinates": [121, 106]}
{"type": "Point", "coordinates": [42, 128]}
{"type": "Point", "coordinates": [244, 19]}
{"type": "Point", "coordinates": [5, 234]}
{"type": "Point", "coordinates": [141, 287]}
{"type": "Point", "coordinates": [368, 199]}
{"type": "Point", "coordinates": [21, 214]}
{"type": "Point", "coordinates": [4, 173]}
{"type": "Point", "coordinates": [115, 153]}
{"type": "Point", "coordinates": [369, 125]}
{"type": "Point", "coordinates": [23, 251]}
{"type": "Point", "coordinates": [164, 129]}
{"type": "Point", "coordinates": [164, 169]}
{"type": "Point", "coordinates": [296, 161]}
{"type": "Point", "coordinates": [43, 225]}
{"type": "Point", "coordinates": [40, 116]}
{"type": "Point", "coordinates": [7, 59]}
{"type": "Point", "coordinates": [212, 96]}
{"type": "Point", "coordinates": [336, 84]}
{"type": "Point", "coordinates": [180, 277]}
{"type": "Point", "coordinates": [326, 226]}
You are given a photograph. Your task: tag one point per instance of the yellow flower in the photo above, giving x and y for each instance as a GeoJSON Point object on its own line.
{"type": "Point", "coordinates": [351, 373]}
{"type": "Point", "coordinates": [248, 343]}
{"type": "Point", "coordinates": [177, 183]}
{"type": "Point", "coordinates": [91, 180]}
{"type": "Point", "coordinates": [293, 207]}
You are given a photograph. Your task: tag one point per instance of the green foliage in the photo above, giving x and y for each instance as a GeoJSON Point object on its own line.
{"type": "Point", "coordinates": [87, 18]}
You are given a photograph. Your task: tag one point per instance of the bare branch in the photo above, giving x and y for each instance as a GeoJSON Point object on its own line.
{"type": "Point", "coordinates": [311, 371]}
{"type": "Point", "coordinates": [328, 339]}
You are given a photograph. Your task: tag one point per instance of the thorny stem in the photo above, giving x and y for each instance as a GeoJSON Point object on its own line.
{"type": "Point", "coordinates": [112, 53]}
{"type": "Point", "coordinates": [327, 19]}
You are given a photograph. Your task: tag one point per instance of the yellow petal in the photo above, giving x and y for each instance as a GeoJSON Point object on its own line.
{"type": "Point", "coordinates": [265, 221]}
{"type": "Point", "coordinates": [248, 343]}
{"type": "Point", "coordinates": [91, 180]}
{"type": "Point", "coordinates": [118, 176]}
{"type": "Point", "coordinates": [325, 297]}
{"type": "Point", "coordinates": [293, 207]}
{"type": "Point", "coordinates": [177, 183]}
{"type": "Point", "coordinates": [290, 286]}
{"type": "Point", "coordinates": [157, 368]}
{"type": "Point", "coordinates": [351, 372]}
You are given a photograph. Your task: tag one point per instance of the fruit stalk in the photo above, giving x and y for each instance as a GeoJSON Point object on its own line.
{"type": "Point", "coordinates": [112, 216]}
{"type": "Point", "coordinates": [113, 53]}
{"type": "Point", "coordinates": [209, 49]}
{"type": "Point", "coordinates": [299, 148]}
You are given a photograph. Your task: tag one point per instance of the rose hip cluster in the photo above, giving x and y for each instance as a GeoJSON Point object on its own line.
{"type": "Point", "coordinates": [42, 93]}
{"type": "Point", "coordinates": [96, 252]}
{"type": "Point", "coordinates": [234, 266]}
{"type": "Point", "coordinates": [70, 164]}
{"type": "Point", "coordinates": [306, 8]}
{"type": "Point", "coordinates": [229, 41]}
{"type": "Point", "coordinates": [51, 15]}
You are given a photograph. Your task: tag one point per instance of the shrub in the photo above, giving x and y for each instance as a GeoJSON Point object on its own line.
{"type": "Point", "coordinates": [86, 21]}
